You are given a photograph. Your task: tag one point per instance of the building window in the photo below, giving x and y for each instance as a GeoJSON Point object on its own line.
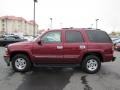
{"type": "Point", "coordinates": [3, 20]}
{"type": "Point", "coordinates": [3, 29]}
{"type": "Point", "coordinates": [3, 24]}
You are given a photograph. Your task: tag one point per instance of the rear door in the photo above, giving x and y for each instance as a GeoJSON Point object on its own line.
{"type": "Point", "coordinates": [73, 46]}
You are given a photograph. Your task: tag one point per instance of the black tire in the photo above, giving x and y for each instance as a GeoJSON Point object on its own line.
{"type": "Point", "coordinates": [26, 59]}
{"type": "Point", "coordinates": [86, 67]}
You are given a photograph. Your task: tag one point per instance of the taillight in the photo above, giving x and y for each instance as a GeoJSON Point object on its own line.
{"type": "Point", "coordinates": [6, 50]}
{"type": "Point", "coordinates": [113, 47]}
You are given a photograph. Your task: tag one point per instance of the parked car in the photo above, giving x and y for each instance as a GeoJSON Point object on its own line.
{"type": "Point", "coordinates": [8, 39]}
{"type": "Point", "coordinates": [62, 48]}
{"type": "Point", "coordinates": [28, 38]}
{"type": "Point", "coordinates": [114, 38]}
{"type": "Point", "coordinates": [117, 47]}
{"type": "Point", "coordinates": [115, 41]}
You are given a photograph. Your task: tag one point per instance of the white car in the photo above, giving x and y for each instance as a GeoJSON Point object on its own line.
{"type": "Point", "coordinates": [28, 38]}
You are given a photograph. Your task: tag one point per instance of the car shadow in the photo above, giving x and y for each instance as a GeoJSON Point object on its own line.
{"type": "Point", "coordinates": [47, 78]}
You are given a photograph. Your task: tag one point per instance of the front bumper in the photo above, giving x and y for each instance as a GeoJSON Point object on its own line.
{"type": "Point", "coordinates": [7, 60]}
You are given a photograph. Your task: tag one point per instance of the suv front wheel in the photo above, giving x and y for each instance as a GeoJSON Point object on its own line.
{"type": "Point", "coordinates": [21, 63]}
{"type": "Point", "coordinates": [91, 64]}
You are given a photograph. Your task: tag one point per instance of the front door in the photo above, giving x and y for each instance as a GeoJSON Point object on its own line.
{"type": "Point", "coordinates": [50, 50]}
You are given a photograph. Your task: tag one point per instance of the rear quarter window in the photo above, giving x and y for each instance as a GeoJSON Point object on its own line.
{"type": "Point", "coordinates": [98, 36]}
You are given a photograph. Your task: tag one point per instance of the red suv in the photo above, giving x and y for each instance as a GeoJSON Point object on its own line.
{"type": "Point", "coordinates": [62, 48]}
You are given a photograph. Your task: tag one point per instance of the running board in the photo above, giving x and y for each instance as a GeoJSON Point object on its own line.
{"type": "Point", "coordinates": [56, 65]}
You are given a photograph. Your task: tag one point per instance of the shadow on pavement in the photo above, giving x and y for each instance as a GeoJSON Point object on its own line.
{"type": "Point", "coordinates": [47, 78]}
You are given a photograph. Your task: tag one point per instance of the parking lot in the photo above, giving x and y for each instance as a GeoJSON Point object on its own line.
{"type": "Point", "coordinates": [108, 78]}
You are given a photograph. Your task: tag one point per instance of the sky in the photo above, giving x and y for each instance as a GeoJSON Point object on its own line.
{"type": "Point", "coordinates": [67, 13]}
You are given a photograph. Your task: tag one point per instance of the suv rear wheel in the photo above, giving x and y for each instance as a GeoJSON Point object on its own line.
{"type": "Point", "coordinates": [91, 64]}
{"type": "Point", "coordinates": [21, 63]}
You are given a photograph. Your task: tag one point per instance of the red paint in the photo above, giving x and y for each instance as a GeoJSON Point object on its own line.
{"type": "Point", "coordinates": [70, 53]}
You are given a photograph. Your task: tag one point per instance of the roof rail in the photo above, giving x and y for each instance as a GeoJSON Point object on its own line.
{"type": "Point", "coordinates": [69, 28]}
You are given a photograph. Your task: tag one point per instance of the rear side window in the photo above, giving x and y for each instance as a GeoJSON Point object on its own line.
{"type": "Point", "coordinates": [98, 36]}
{"type": "Point", "coordinates": [73, 37]}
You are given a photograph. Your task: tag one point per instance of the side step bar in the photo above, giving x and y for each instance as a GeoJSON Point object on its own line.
{"type": "Point", "coordinates": [56, 65]}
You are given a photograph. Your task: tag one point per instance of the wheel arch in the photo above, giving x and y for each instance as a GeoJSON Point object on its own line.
{"type": "Point", "coordinates": [19, 52]}
{"type": "Point", "coordinates": [98, 54]}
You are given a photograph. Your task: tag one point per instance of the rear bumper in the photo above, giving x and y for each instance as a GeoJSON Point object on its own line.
{"type": "Point", "coordinates": [109, 58]}
{"type": "Point", "coordinates": [7, 60]}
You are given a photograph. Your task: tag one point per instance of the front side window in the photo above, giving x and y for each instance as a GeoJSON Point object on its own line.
{"type": "Point", "coordinates": [73, 37]}
{"type": "Point", "coordinates": [52, 37]}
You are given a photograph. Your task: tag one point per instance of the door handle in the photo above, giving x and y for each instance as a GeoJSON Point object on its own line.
{"type": "Point", "coordinates": [59, 47]}
{"type": "Point", "coordinates": [82, 46]}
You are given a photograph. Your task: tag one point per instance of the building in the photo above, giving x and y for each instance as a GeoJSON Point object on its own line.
{"type": "Point", "coordinates": [12, 24]}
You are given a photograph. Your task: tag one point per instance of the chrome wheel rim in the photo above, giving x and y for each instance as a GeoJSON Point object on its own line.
{"type": "Point", "coordinates": [92, 65]}
{"type": "Point", "coordinates": [20, 63]}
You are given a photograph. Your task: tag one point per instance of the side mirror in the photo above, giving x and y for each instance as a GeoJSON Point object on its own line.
{"type": "Point", "coordinates": [40, 42]}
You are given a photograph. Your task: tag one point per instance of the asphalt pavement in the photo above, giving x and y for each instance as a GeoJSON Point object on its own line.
{"type": "Point", "coordinates": [108, 78]}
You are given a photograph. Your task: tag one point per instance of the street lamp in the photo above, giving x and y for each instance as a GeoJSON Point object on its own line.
{"type": "Point", "coordinates": [91, 25]}
{"type": "Point", "coordinates": [97, 23]}
{"type": "Point", "coordinates": [51, 23]}
{"type": "Point", "coordinates": [35, 1]}
{"type": "Point", "coordinates": [6, 31]}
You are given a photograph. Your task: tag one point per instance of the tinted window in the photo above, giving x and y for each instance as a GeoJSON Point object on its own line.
{"type": "Point", "coordinates": [98, 36]}
{"type": "Point", "coordinates": [52, 37]}
{"type": "Point", "coordinates": [73, 37]}
{"type": "Point", "coordinates": [16, 37]}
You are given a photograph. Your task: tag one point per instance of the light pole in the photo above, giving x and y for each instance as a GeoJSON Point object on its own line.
{"type": "Point", "coordinates": [35, 1]}
{"type": "Point", "coordinates": [91, 25]}
{"type": "Point", "coordinates": [6, 31]}
{"type": "Point", "coordinates": [97, 24]}
{"type": "Point", "coordinates": [51, 23]}
{"type": "Point", "coordinates": [61, 25]}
